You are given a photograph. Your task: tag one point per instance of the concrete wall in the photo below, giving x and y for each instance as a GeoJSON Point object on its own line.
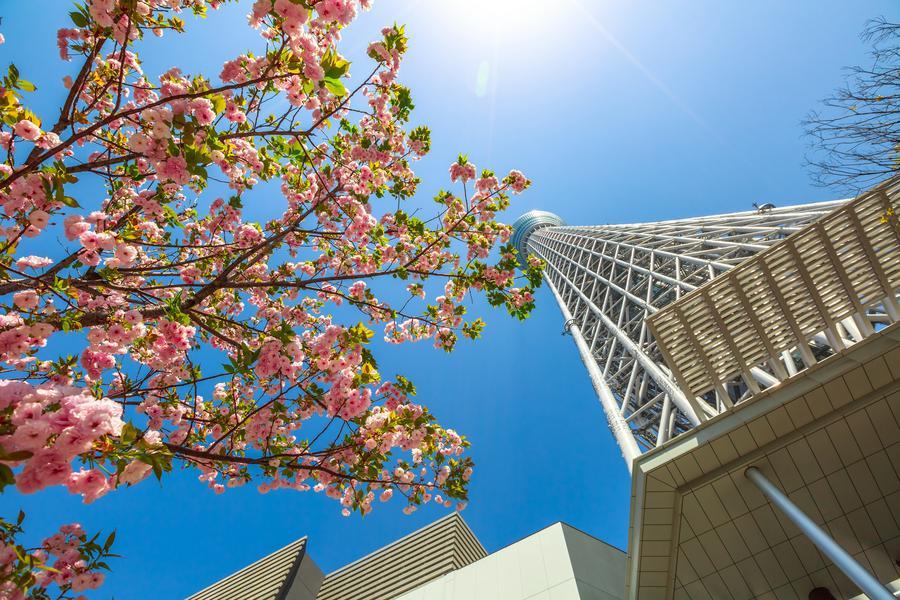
{"type": "Point", "coordinates": [599, 568]}
{"type": "Point", "coordinates": [307, 581]}
{"type": "Point", "coordinates": [556, 563]}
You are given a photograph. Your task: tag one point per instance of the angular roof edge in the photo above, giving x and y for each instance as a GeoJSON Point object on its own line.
{"type": "Point", "coordinates": [397, 542]}
{"type": "Point", "coordinates": [298, 546]}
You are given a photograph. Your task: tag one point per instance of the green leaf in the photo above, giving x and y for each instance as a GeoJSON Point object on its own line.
{"type": "Point", "coordinates": [6, 477]}
{"type": "Point", "coordinates": [17, 456]}
{"type": "Point", "coordinates": [45, 568]}
{"type": "Point", "coordinates": [61, 197]}
{"type": "Point", "coordinates": [335, 86]}
{"type": "Point", "coordinates": [360, 333]}
{"type": "Point", "coordinates": [218, 102]}
{"type": "Point", "coordinates": [334, 65]}
{"type": "Point", "coordinates": [129, 433]}
{"type": "Point", "coordinates": [406, 386]}
{"type": "Point", "coordinates": [198, 170]}
{"type": "Point", "coordinates": [172, 217]}
{"type": "Point", "coordinates": [369, 358]}
{"type": "Point", "coordinates": [32, 117]}
{"type": "Point", "coordinates": [109, 541]}
{"type": "Point", "coordinates": [25, 86]}
{"type": "Point", "coordinates": [369, 374]}
{"type": "Point", "coordinates": [78, 19]}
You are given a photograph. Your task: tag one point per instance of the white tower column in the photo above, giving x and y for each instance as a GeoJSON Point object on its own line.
{"type": "Point", "coordinates": [608, 279]}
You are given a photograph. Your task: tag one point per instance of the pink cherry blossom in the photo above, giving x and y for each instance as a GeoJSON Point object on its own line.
{"type": "Point", "coordinates": [202, 109]}
{"type": "Point", "coordinates": [27, 130]}
{"type": "Point", "coordinates": [33, 262]}
{"type": "Point", "coordinates": [26, 300]}
{"type": "Point", "coordinates": [89, 484]}
{"type": "Point", "coordinates": [87, 581]}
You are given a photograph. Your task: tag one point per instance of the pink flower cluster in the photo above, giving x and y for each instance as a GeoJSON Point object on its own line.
{"type": "Point", "coordinates": [27, 130]}
{"type": "Point", "coordinates": [65, 555]}
{"type": "Point", "coordinates": [54, 424]}
{"type": "Point", "coordinates": [102, 11]}
{"type": "Point", "coordinates": [342, 11]}
{"type": "Point", "coordinates": [520, 297]}
{"type": "Point", "coordinates": [202, 110]}
{"type": "Point", "coordinates": [462, 171]}
{"type": "Point", "coordinates": [18, 339]}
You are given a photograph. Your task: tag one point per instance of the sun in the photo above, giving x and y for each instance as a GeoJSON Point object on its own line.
{"type": "Point", "coordinates": [512, 21]}
{"type": "Point", "coordinates": [490, 34]}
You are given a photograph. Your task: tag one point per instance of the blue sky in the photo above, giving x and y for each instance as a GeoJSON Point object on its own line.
{"type": "Point", "coordinates": [619, 112]}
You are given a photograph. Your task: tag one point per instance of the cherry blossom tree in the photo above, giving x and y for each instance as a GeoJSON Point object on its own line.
{"type": "Point", "coordinates": [145, 322]}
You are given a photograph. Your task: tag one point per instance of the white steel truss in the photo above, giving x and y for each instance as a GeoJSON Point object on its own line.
{"type": "Point", "coordinates": [609, 279]}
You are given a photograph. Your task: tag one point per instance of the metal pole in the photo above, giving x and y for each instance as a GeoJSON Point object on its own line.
{"type": "Point", "coordinates": [661, 379]}
{"type": "Point", "coordinates": [840, 557]}
{"type": "Point", "coordinates": [617, 424]}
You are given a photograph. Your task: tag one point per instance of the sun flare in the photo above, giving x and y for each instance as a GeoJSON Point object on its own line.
{"type": "Point", "coordinates": [513, 21]}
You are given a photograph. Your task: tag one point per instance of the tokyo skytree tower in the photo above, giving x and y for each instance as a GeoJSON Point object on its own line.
{"type": "Point", "coordinates": [610, 279]}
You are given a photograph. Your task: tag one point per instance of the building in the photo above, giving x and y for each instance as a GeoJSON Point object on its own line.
{"type": "Point", "coordinates": [556, 563]}
{"type": "Point", "coordinates": [442, 561]}
{"type": "Point", "coordinates": [749, 367]}
{"type": "Point", "coordinates": [286, 574]}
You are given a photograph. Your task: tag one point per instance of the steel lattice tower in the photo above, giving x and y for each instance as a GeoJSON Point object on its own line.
{"type": "Point", "coordinates": [608, 279]}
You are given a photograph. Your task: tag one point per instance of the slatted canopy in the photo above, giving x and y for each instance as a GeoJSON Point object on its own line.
{"type": "Point", "coordinates": [779, 301]}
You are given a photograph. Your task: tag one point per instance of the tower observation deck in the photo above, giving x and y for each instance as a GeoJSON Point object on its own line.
{"type": "Point", "coordinates": [623, 289]}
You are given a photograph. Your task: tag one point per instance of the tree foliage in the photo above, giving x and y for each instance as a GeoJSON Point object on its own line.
{"type": "Point", "coordinates": [148, 319]}
{"type": "Point", "coordinates": [855, 136]}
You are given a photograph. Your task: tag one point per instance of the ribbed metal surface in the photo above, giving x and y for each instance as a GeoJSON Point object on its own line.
{"type": "Point", "coordinates": [266, 579]}
{"type": "Point", "coordinates": [418, 558]}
